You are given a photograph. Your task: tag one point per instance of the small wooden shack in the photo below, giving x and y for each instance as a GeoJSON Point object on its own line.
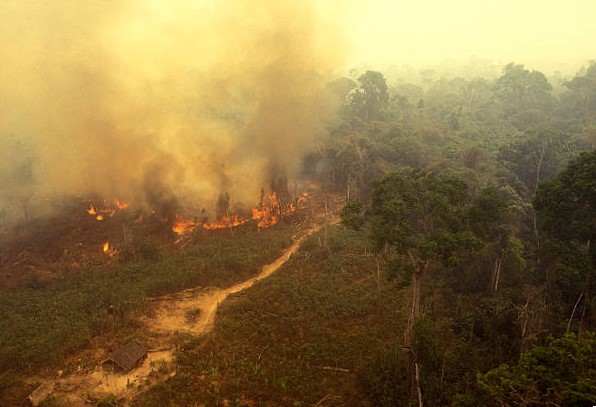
{"type": "Point", "coordinates": [129, 356]}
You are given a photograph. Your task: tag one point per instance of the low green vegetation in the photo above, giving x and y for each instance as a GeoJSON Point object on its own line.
{"type": "Point", "coordinates": [318, 330]}
{"type": "Point", "coordinates": [41, 327]}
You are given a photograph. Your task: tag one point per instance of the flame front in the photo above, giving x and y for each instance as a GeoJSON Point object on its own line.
{"type": "Point", "coordinates": [106, 247]}
{"type": "Point", "coordinates": [181, 227]}
{"type": "Point", "coordinates": [265, 214]}
{"type": "Point", "coordinates": [226, 222]}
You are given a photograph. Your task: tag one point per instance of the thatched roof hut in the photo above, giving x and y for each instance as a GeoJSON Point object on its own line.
{"type": "Point", "coordinates": [129, 356]}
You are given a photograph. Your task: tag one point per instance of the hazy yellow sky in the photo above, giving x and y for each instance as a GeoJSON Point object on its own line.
{"type": "Point", "coordinates": [428, 31]}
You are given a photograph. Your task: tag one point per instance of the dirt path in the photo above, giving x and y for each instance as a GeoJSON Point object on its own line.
{"type": "Point", "coordinates": [190, 311]}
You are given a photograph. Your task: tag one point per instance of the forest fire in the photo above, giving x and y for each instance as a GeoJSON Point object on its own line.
{"type": "Point", "coordinates": [266, 215]}
{"type": "Point", "coordinates": [105, 247]}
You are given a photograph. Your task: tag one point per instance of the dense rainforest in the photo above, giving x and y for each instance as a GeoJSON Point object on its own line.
{"type": "Point", "coordinates": [479, 195]}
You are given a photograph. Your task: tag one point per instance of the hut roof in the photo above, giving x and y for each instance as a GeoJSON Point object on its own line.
{"type": "Point", "coordinates": [128, 356]}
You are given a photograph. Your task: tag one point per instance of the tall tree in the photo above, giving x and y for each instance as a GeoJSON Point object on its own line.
{"type": "Point", "coordinates": [492, 219]}
{"type": "Point", "coordinates": [584, 89]}
{"type": "Point", "coordinates": [417, 218]}
{"type": "Point", "coordinates": [518, 88]}
{"type": "Point", "coordinates": [371, 97]}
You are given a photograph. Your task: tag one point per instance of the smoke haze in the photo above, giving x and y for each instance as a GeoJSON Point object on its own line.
{"type": "Point", "coordinates": [148, 99]}
{"type": "Point", "coordinates": [546, 35]}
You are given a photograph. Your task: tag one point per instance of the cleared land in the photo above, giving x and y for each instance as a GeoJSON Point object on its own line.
{"type": "Point", "coordinates": [311, 333]}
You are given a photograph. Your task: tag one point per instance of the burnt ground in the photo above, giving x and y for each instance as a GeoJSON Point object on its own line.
{"type": "Point", "coordinates": [71, 240]}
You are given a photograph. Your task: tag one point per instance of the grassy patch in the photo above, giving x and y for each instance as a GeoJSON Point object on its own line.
{"type": "Point", "coordinates": [40, 327]}
{"type": "Point", "coordinates": [296, 338]}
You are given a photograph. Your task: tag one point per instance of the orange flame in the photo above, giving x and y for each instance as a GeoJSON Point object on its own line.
{"type": "Point", "coordinates": [108, 249]}
{"type": "Point", "coordinates": [181, 227]}
{"type": "Point", "coordinates": [269, 215]}
{"type": "Point", "coordinates": [92, 210]}
{"type": "Point", "coordinates": [106, 210]}
{"type": "Point", "coordinates": [226, 222]}
{"type": "Point", "coordinates": [265, 214]}
{"type": "Point", "coordinates": [121, 205]}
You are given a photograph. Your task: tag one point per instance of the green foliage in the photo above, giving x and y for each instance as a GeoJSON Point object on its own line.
{"type": "Point", "coordinates": [518, 89]}
{"type": "Point", "coordinates": [489, 214]}
{"type": "Point", "coordinates": [583, 88]}
{"type": "Point", "coordinates": [352, 215]}
{"type": "Point", "coordinates": [41, 326]}
{"type": "Point", "coordinates": [566, 205]}
{"type": "Point", "coordinates": [418, 211]}
{"type": "Point", "coordinates": [444, 363]}
{"type": "Point", "coordinates": [539, 155]}
{"type": "Point", "coordinates": [370, 98]}
{"type": "Point", "coordinates": [561, 373]}
{"type": "Point", "coordinates": [566, 210]}
{"type": "Point", "coordinates": [492, 218]}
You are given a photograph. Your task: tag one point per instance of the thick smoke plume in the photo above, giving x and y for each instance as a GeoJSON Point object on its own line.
{"type": "Point", "coordinates": [147, 99]}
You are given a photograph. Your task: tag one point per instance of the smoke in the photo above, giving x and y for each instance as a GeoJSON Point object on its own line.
{"type": "Point", "coordinates": [146, 99]}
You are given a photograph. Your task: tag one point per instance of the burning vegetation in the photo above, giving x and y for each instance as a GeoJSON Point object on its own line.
{"type": "Point", "coordinates": [96, 231]}
{"type": "Point", "coordinates": [266, 214]}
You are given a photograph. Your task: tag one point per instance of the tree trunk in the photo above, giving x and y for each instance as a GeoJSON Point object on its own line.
{"type": "Point", "coordinates": [534, 219]}
{"type": "Point", "coordinates": [419, 391]}
{"type": "Point", "coordinates": [25, 206]}
{"type": "Point", "coordinates": [325, 223]}
{"type": "Point", "coordinates": [529, 316]}
{"type": "Point", "coordinates": [378, 285]}
{"type": "Point", "coordinates": [414, 314]}
{"type": "Point", "coordinates": [348, 189]}
{"type": "Point", "coordinates": [415, 310]}
{"type": "Point", "coordinates": [497, 271]}
{"type": "Point", "coordinates": [582, 320]}
{"type": "Point", "coordinates": [573, 312]}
